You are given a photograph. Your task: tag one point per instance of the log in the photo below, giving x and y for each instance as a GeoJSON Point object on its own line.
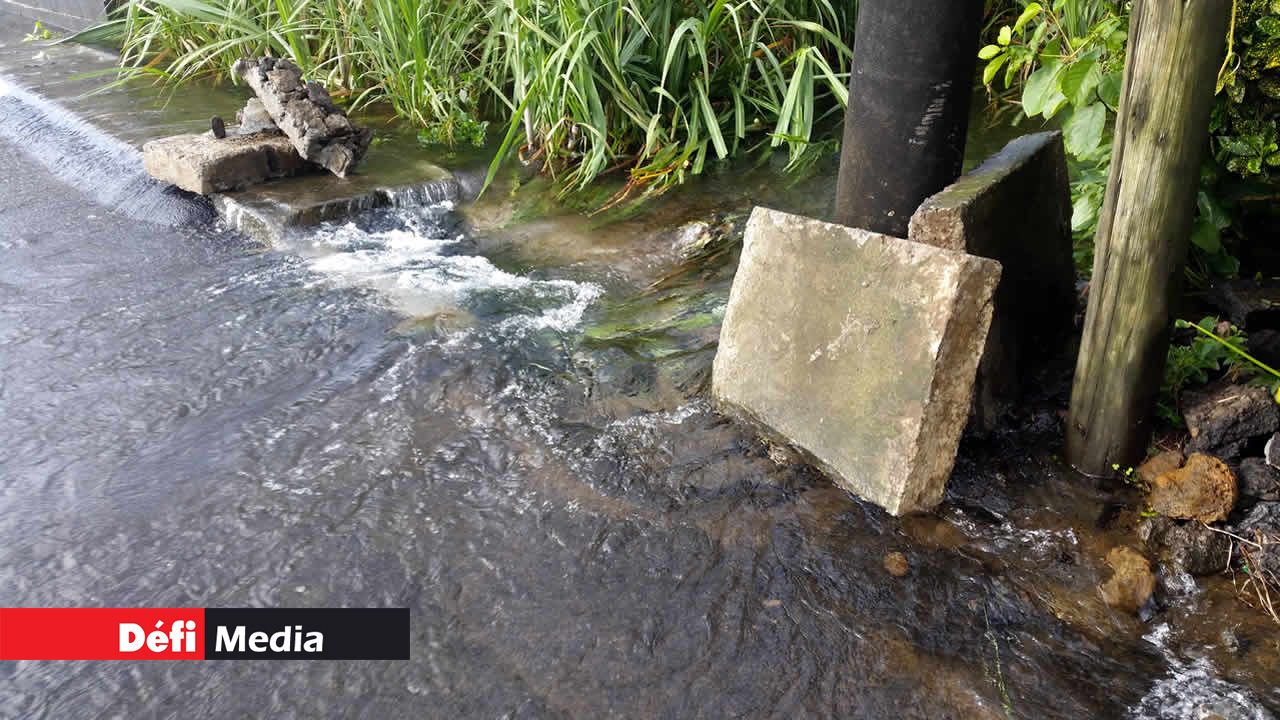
{"type": "Point", "coordinates": [909, 95]}
{"type": "Point", "coordinates": [1175, 50]}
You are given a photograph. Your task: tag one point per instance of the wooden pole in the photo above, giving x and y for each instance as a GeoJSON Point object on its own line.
{"type": "Point", "coordinates": [1175, 50]}
{"type": "Point", "coordinates": [909, 93]}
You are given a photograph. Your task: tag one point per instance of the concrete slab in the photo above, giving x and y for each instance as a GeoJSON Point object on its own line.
{"type": "Point", "coordinates": [267, 212]}
{"type": "Point", "coordinates": [859, 349]}
{"type": "Point", "coordinates": [201, 163]}
{"type": "Point", "coordinates": [1014, 208]}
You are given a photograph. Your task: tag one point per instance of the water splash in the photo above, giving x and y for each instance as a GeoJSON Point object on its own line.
{"type": "Point", "coordinates": [417, 257]}
{"type": "Point", "coordinates": [1193, 691]}
{"type": "Point", "coordinates": [107, 169]}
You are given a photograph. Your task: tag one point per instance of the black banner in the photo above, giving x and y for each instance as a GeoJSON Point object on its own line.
{"type": "Point", "coordinates": [306, 633]}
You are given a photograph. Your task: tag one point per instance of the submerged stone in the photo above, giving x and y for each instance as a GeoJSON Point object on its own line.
{"type": "Point", "coordinates": [318, 129]}
{"type": "Point", "coordinates": [1132, 582]}
{"type": "Point", "coordinates": [859, 349]}
{"type": "Point", "coordinates": [205, 164]}
{"type": "Point", "coordinates": [1014, 208]}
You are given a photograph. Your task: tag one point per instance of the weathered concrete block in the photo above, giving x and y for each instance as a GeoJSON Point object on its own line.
{"type": "Point", "coordinates": [320, 130]}
{"type": "Point", "coordinates": [859, 349]}
{"type": "Point", "coordinates": [1014, 208]}
{"type": "Point", "coordinates": [204, 164]}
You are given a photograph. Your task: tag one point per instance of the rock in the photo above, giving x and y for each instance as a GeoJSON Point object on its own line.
{"type": "Point", "coordinates": [1131, 583]}
{"type": "Point", "coordinates": [1204, 489]}
{"type": "Point", "coordinates": [1158, 465]}
{"type": "Point", "coordinates": [1222, 421]}
{"type": "Point", "coordinates": [1265, 345]}
{"type": "Point", "coordinates": [218, 127]}
{"type": "Point", "coordinates": [1187, 546]}
{"type": "Point", "coordinates": [1271, 451]}
{"type": "Point", "coordinates": [1014, 208]}
{"type": "Point", "coordinates": [319, 130]}
{"type": "Point", "coordinates": [896, 564]}
{"type": "Point", "coordinates": [254, 118]}
{"type": "Point", "coordinates": [204, 164]}
{"type": "Point", "coordinates": [857, 348]}
{"type": "Point", "coordinates": [1258, 480]}
{"type": "Point", "coordinates": [1251, 304]}
{"type": "Point", "coordinates": [1262, 526]}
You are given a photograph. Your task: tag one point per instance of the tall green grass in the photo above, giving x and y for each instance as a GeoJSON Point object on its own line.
{"type": "Point", "coordinates": [654, 89]}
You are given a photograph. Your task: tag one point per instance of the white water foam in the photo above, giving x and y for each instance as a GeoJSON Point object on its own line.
{"type": "Point", "coordinates": [1193, 691]}
{"type": "Point", "coordinates": [417, 266]}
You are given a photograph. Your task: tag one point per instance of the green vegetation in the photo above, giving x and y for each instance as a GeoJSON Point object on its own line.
{"type": "Point", "coordinates": [655, 88]}
{"type": "Point", "coordinates": [1216, 347]}
{"type": "Point", "coordinates": [1063, 61]}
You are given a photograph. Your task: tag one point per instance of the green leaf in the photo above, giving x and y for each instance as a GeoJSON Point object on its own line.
{"type": "Point", "coordinates": [1206, 236]}
{"type": "Point", "coordinates": [1079, 80]}
{"type": "Point", "coordinates": [1006, 35]}
{"type": "Point", "coordinates": [1041, 86]}
{"type": "Point", "coordinates": [993, 67]}
{"type": "Point", "coordinates": [1212, 211]}
{"type": "Point", "coordinates": [1028, 14]}
{"type": "Point", "coordinates": [1083, 130]}
{"type": "Point", "coordinates": [1084, 212]}
{"type": "Point", "coordinates": [989, 51]}
{"type": "Point", "coordinates": [1109, 89]}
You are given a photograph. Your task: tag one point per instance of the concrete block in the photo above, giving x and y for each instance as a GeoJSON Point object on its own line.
{"type": "Point", "coordinates": [1014, 208]}
{"type": "Point", "coordinates": [858, 349]}
{"type": "Point", "coordinates": [204, 164]}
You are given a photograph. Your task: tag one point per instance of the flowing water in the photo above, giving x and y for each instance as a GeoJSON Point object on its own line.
{"type": "Point", "coordinates": [504, 427]}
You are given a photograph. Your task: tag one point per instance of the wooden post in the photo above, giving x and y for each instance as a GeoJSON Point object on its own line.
{"type": "Point", "coordinates": [909, 93]}
{"type": "Point", "coordinates": [1175, 49]}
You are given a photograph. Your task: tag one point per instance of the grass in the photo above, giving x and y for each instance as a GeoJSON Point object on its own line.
{"type": "Point", "coordinates": [654, 89]}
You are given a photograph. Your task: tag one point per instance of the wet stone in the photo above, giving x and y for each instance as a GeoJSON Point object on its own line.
{"type": "Point", "coordinates": [1132, 582]}
{"type": "Point", "coordinates": [896, 564]}
{"type": "Point", "coordinates": [1187, 546]}
{"type": "Point", "coordinates": [857, 348]}
{"type": "Point", "coordinates": [1014, 208]}
{"type": "Point", "coordinates": [205, 164]}
{"type": "Point", "coordinates": [1258, 480]}
{"type": "Point", "coordinates": [1262, 526]}
{"type": "Point", "coordinates": [1224, 421]}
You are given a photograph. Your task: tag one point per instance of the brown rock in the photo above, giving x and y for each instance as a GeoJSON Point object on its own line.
{"type": "Point", "coordinates": [1131, 583]}
{"type": "Point", "coordinates": [1204, 489]}
{"type": "Point", "coordinates": [1160, 464]}
{"type": "Point", "coordinates": [896, 564]}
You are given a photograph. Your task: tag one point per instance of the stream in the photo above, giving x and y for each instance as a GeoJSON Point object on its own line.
{"type": "Point", "coordinates": [510, 435]}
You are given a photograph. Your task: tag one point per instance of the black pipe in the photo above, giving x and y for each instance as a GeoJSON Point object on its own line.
{"type": "Point", "coordinates": [909, 95]}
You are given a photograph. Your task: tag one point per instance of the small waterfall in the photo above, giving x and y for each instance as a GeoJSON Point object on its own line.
{"type": "Point", "coordinates": [108, 170]}
{"type": "Point", "coordinates": [430, 193]}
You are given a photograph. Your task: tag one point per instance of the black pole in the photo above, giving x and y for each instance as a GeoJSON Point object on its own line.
{"type": "Point", "coordinates": [909, 95]}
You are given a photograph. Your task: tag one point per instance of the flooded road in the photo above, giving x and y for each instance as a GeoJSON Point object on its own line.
{"type": "Point", "coordinates": [399, 412]}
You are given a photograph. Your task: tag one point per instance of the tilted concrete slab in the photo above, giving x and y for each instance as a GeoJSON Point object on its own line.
{"type": "Point", "coordinates": [1014, 208]}
{"type": "Point", "coordinates": [859, 349]}
{"type": "Point", "coordinates": [201, 163]}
